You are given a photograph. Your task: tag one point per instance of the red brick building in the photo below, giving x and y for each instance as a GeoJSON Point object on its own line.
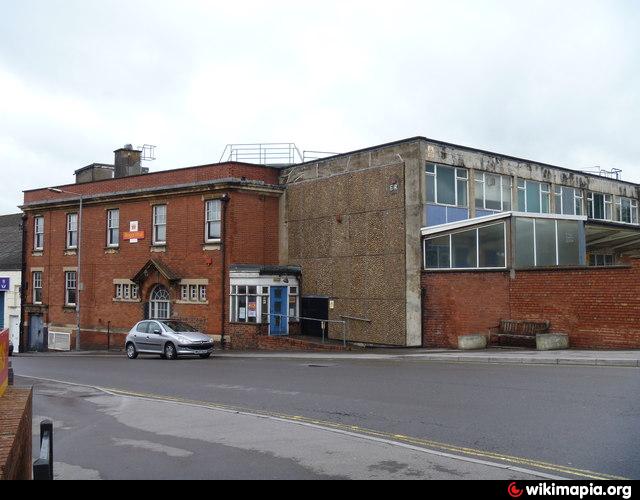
{"type": "Point", "coordinates": [152, 245]}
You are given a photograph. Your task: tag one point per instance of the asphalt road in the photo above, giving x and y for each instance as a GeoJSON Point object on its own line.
{"type": "Point", "coordinates": [578, 418]}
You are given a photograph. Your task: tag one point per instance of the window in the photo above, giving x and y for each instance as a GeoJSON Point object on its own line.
{"type": "Point", "coordinates": [126, 291]}
{"type": "Point", "coordinates": [627, 210]}
{"type": "Point", "coordinates": [533, 197]}
{"type": "Point", "coordinates": [160, 305]}
{"type": "Point", "coordinates": [568, 201]}
{"type": "Point", "coordinates": [72, 231]}
{"type": "Point", "coordinates": [600, 206]}
{"type": "Point", "coordinates": [249, 303]}
{"type": "Point", "coordinates": [547, 242]}
{"type": "Point", "coordinates": [447, 185]}
{"type": "Point", "coordinates": [601, 260]}
{"type": "Point", "coordinates": [213, 220]}
{"type": "Point", "coordinates": [38, 239]}
{"type": "Point", "coordinates": [113, 228]}
{"type": "Point", "coordinates": [293, 303]}
{"type": "Point", "coordinates": [193, 293]}
{"type": "Point", "coordinates": [159, 224]}
{"type": "Point", "coordinates": [71, 286]}
{"type": "Point", "coordinates": [479, 248]}
{"type": "Point", "coordinates": [493, 192]}
{"type": "Point", "coordinates": [37, 287]}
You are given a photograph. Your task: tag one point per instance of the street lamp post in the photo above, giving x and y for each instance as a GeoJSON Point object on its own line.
{"type": "Point", "coordinates": [79, 286]}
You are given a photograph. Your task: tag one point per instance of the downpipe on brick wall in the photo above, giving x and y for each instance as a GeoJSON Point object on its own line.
{"type": "Point", "coordinates": [225, 200]}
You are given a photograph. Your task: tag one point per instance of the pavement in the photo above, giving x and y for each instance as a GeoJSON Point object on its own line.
{"type": "Point", "coordinates": [629, 359]}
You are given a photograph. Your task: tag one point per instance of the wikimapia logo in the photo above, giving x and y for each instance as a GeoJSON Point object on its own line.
{"type": "Point", "coordinates": [581, 491]}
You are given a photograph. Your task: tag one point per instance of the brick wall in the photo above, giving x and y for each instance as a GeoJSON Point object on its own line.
{"type": "Point", "coordinates": [251, 225]}
{"type": "Point", "coordinates": [15, 434]}
{"type": "Point", "coordinates": [598, 307]}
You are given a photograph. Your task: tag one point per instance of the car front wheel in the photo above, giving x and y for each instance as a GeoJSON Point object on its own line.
{"type": "Point", "coordinates": [131, 351]}
{"type": "Point", "coordinates": [170, 352]}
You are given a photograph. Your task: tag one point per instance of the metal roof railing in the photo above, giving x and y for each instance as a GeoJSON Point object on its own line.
{"type": "Point", "coordinates": [274, 154]}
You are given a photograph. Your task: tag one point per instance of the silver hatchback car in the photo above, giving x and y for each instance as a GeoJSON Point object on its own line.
{"type": "Point", "coordinates": [168, 339]}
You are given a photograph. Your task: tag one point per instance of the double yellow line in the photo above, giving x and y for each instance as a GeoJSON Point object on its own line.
{"type": "Point", "coordinates": [398, 438]}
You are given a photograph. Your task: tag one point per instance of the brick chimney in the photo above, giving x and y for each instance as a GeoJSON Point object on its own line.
{"type": "Point", "coordinates": [128, 161]}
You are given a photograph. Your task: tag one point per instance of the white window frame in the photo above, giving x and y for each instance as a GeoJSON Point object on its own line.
{"type": "Point", "coordinates": [70, 283]}
{"type": "Point", "coordinates": [633, 208]}
{"type": "Point", "coordinates": [119, 291]}
{"type": "Point", "coordinates": [72, 230]}
{"type": "Point", "coordinates": [212, 216]}
{"type": "Point", "coordinates": [577, 200]}
{"type": "Point", "coordinates": [38, 233]}
{"type": "Point", "coordinates": [457, 176]}
{"type": "Point", "coordinates": [465, 230]}
{"type": "Point", "coordinates": [37, 285]}
{"type": "Point", "coordinates": [543, 192]}
{"type": "Point", "coordinates": [607, 201]}
{"type": "Point", "coordinates": [202, 293]}
{"type": "Point", "coordinates": [113, 228]}
{"type": "Point", "coordinates": [157, 224]}
{"type": "Point", "coordinates": [483, 181]}
{"type": "Point", "coordinates": [234, 308]}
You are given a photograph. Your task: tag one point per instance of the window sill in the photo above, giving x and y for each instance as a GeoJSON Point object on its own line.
{"type": "Point", "coordinates": [127, 301]}
{"type": "Point", "coordinates": [158, 248]}
{"type": "Point", "coordinates": [212, 246]}
{"type": "Point", "coordinates": [69, 308]}
{"type": "Point", "coordinates": [71, 251]}
{"type": "Point", "coordinates": [192, 303]}
{"type": "Point", "coordinates": [37, 253]}
{"type": "Point", "coordinates": [111, 250]}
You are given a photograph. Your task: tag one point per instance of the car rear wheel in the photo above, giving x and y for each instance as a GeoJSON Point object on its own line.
{"type": "Point", "coordinates": [131, 351]}
{"type": "Point", "coordinates": [170, 351]}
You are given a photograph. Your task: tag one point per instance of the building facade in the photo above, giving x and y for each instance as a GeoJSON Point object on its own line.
{"type": "Point", "coordinates": [144, 246]}
{"type": "Point", "coordinates": [11, 275]}
{"type": "Point", "coordinates": [375, 231]}
{"type": "Point", "coordinates": [406, 244]}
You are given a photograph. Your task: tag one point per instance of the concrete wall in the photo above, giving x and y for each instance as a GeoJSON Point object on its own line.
{"type": "Point", "coordinates": [349, 222]}
{"type": "Point", "coordinates": [598, 307]}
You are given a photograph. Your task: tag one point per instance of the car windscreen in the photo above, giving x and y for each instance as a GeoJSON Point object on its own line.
{"type": "Point", "coordinates": [178, 326]}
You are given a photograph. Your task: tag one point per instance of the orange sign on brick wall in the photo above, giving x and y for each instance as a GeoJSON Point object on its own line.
{"type": "Point", "coordinates": [4, 361]}
{"type": "Point", "coordinates": [134, 235]}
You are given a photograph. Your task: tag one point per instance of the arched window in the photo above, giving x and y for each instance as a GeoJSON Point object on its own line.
{"type": "Point", "coordinates": [160, 303]}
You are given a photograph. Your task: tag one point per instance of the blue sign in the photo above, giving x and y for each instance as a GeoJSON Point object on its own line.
{"type": "Point", "coordinates": [5, 285]}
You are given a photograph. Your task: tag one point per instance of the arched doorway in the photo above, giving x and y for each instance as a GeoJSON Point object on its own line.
{"type": "Point", "coordinates": [160, 303]}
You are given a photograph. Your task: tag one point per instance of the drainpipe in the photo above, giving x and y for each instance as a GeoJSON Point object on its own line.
{"type": "Point", "coordinates": [225, 199]}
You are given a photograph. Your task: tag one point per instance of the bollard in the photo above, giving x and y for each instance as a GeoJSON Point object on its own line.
{"type": "Point", "coordinates": [10, 373]}
{"type": "Point", "coordinates": [43, 467]}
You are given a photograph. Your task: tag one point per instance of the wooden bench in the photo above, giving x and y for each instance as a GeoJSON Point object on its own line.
{"type": "Point", "coordinates": [518, 333]}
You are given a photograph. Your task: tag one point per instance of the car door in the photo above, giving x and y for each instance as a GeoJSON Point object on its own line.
{"type": "Point", "coordinates": [141, 336]}
{"type": "Point", "coordinates": [156, 340]}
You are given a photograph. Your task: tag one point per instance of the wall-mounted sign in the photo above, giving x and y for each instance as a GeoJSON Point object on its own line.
{"type": "Point", "coordinates": [5, 284]}
{"type": "Point", "coordinates": [134, 226]}
{"type": "Point", "coordinates": [139, 235]}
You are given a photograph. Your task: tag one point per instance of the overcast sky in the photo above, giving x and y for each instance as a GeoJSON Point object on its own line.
{"type": "Point", "coordinates": [557, 82]}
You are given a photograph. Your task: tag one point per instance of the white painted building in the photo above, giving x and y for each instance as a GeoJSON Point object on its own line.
{"type": "Point", "coordinates": [11, 275]}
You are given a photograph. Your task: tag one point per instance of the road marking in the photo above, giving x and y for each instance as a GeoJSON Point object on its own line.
{"type": "Point", "coordinates": [467, 454]}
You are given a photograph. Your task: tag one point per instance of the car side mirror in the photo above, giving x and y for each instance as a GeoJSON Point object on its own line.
{"type": "Point", "coordinates": [157, 332]}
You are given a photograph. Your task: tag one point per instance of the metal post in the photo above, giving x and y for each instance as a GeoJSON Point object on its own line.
{"type": "Point", "coordinates": [323, 326]}
{"type": "Point", "coordinates": [43, 467]}
{"type": "Point", "coordinates": [344, 333]}
{"type": "Point", "coordinates": [79, 284]}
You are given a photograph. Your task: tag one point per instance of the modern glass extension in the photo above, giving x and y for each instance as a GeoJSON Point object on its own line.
{"type": "Point", "coordinates": [506, 240]}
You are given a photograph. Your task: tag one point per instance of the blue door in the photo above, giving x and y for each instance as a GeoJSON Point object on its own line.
{"type": "Point", "coordinates": [278, 322]}
{"type": "Point", "coordinates": [1, 311]}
